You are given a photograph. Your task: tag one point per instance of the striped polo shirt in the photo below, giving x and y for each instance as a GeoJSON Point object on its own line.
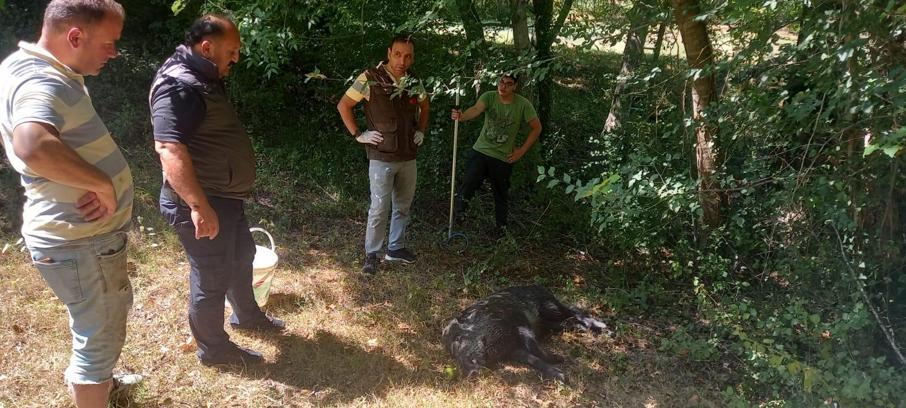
{"type": "Point", "coordinates": [361, 87]}
{"type": "Point", "coordinates": [36, 87]}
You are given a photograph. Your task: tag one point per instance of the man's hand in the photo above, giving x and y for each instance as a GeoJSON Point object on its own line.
{"type": "Point", "coordinates": [419, 138]}
{"type": "Point", "coordinates": [372, 137]}
{"type": "Point", "coordinates": [456, 114]}
{"type": "Point", "coordinates": [39, 146]}
{"type": "Point", "coordinates": [206, 222]}
{"type": "Point", "coordinates": [94, 206]}
{"type": "Point", "coordinates": [516, 155]}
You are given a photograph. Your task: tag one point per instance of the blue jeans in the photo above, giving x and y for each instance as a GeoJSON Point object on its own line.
{"type": "Point", "coordinates": [90, 277]}
{"type": "Point", "coordinates": [220, 268]}
{"type": "Point", "coordinates": [391, 183]}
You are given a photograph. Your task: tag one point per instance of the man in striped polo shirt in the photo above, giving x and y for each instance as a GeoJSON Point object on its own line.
{"type": "Point", "coordinates": [78, 186]}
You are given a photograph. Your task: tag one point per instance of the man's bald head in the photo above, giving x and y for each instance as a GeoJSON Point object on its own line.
{"type": "Point", "coordinates": [216, 38]}
{"type": "Point", "coordinates": [209, 26]}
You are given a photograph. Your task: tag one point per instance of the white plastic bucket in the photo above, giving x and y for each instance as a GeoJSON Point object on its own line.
{"type": "Point", "coordinates": [263, 268]}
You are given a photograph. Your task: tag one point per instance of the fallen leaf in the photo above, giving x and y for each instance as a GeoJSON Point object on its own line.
{"type": "Point", "coordinates": [188, 346]}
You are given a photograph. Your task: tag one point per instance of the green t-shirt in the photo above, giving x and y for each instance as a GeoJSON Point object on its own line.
{"type": "Point", "coordinates": [501, 124]}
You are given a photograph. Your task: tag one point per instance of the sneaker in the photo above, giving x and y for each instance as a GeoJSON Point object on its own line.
{"type": "Point", "coordinates": [371, 264]}
{"type": "Point", "coordinates": [402, 254]}
{"type": "Point", "coordinates": [235, 355]}
{"type": "Point", "coordinates": [124, 384]}
{"type": "Point", "coordinates": [267, 324]}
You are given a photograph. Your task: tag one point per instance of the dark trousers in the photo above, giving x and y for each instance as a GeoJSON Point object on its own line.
{"type": "Point", "coordinates": [220, 267]}
{"type": "Point", "coordinates": [483, 167]}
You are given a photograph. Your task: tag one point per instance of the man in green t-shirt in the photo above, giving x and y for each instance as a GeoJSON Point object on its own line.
{"type": "Point", "coordinates": [494, 155]}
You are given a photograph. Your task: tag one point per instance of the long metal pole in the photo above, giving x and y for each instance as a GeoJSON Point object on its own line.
{"type": "Point", "coordinates": [455, 149]}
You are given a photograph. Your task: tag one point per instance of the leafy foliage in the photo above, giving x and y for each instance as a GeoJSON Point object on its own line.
{"type": "Point", "coordinates": [809, 120]}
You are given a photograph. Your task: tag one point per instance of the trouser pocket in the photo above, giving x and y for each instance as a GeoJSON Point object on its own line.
{"type": "Point", "coordinates": [113, 265]}
{"type": "Point", "coordinates": [61, 275]}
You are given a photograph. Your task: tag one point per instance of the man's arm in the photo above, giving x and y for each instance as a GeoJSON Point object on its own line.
{"type": "Point", "coordinates": [38, 145]}
{"type": "Point", "coordinates": [177, 112]}
{"type": "Point", "coordinates": [470, 113]}
{"type": "Point", "coordinates": [180, 173]}
{"type": "Point", "coordinates": [517, 154]}
{"type": "Point", "coordinates": [345, 107]}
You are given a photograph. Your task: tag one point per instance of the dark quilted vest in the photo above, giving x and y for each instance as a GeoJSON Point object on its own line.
{"type": "Point", "coordinates": [221, 150]}
{"type": "Point", "coordinates": [396, 117]}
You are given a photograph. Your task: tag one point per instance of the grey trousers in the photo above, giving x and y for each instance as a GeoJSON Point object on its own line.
{"type": "Point", "coordinates": [391, 183]}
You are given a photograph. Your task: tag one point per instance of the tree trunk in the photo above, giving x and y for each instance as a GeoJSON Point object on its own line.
{"type": "Point", "coordinates": [546, 32]}
{"type": "Point", "coordinates": [632, 54]}
{"type": "Point", "coordinates": [521, 40]}
{"type": "Point", "coordinates": [659, 41]}
{"type": "Point", "coordinates": [700, 56]}
{"type": "Point", "coordinates": [471, 21]}
{"type": "Point", "coordinates": [474, 28]}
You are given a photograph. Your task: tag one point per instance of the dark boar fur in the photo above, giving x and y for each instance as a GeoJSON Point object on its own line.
{"type": "Point", "coordinates": [506, 326]}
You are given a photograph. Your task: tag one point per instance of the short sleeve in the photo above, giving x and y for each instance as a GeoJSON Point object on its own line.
{"type": "Point", "coordinates": [359, 89]}
{"type": "Point", "coordinates": [41, 100]}
{"type": "Point", "coordinates": [487, 98]}
{"type": "Point", "coordinates": [528, 112]}
{"type": "Point", "coordinates": [177, 111]}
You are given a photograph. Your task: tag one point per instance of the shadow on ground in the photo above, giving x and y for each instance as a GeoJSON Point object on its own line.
{"type": "Point", "coordinates": [327, 367]}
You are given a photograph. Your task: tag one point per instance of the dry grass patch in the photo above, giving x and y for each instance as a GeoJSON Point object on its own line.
{"type": "Point", "coordinates": [352, 341]}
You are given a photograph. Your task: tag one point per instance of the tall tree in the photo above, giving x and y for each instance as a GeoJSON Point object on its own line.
{"type": "Point", "coordinates": [659, 41]}
{"type": "Point", "coordinates": [546, 31]}
{"type": "Point", "coordinates": [700, 56]}
{"type": "Point", "coordinates": [471, 21]}
{"type": "Point", "coordinates": [633, 51]}
{"type": "Point", "coordinates": [521, 40]}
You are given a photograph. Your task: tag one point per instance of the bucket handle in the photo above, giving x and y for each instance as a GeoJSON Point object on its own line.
{"type": "Point", "coordinates": [256, 229]}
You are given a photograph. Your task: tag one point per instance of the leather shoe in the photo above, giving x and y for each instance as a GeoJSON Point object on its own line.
{"type": "Point", "coordinates": [234, 356]}
{"type": "Point", "coordinates": [267, 324]}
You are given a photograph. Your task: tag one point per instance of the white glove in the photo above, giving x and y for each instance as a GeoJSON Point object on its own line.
{"type": "Point", "coordinates": [372, 137]}
{"type": "Point", "coordinates": [419, 138]}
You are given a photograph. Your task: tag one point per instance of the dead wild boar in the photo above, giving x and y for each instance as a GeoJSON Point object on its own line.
{"type": "Point", "coordinates": [506, 326]}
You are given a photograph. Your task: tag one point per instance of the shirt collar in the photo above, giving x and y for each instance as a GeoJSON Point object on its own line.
{"type": "Point", "coordinates": [198, 63]}
{"type": "Point", "coordinates": [36, 50]}
{"type": "Point", "coordinates": [383, 65]}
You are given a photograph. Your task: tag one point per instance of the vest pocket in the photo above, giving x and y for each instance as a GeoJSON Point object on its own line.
{"type": "Point", "coordinates": [390, 144]}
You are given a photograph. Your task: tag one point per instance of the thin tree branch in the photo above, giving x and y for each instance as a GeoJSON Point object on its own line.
{"type": "Point", "coordinates": [888, 332]}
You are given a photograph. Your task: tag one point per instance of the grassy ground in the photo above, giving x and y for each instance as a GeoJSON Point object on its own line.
{"type": "Point", "coordinates": [351, 341]}
{"type": "Point", "coordinates": [354, 341]}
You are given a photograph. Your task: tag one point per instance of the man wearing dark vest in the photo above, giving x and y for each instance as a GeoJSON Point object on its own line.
{"type": "Point", "coordinates": [396, 111]}
{"type": "Point", "coordinates": [209, 170]}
